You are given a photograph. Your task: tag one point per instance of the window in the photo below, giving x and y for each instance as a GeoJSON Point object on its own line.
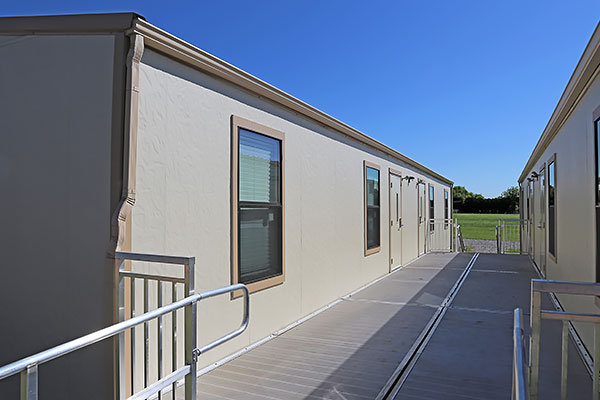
{"type": "Point", "coordinates": [552, 206]}
{"type": "Point", "coordinates": [372, 212]}
{"type": "Point", "coordinates": [258, 205]}
{"type": "Point", "coordinates": [446, 208]}
{"type": "Point", "coordinates": [431, 208]}
{"type": "Point", "coordinates": [530, 201]}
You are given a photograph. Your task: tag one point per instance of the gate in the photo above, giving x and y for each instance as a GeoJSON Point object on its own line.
{"type": "Point", "coordinates": [512, 236]}
{"type": "Point", "coordinates": [441, 236]}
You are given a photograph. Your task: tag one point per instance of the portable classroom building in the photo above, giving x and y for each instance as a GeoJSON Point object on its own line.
{"type": "Point", "coordinates": [560, 189]}
{"type": "Point", "coordinates": [118, 136]}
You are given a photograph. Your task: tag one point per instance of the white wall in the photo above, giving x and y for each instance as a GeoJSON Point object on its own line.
{"type": "Point", "coordinates": [575, 200]}
{"type": "Point", "coordinates": [183, 201]}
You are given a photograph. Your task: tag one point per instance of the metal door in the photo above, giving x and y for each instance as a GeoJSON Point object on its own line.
{"type": "Point", "coordinates": [542, 220]}
{"type": "Point", "coordinates": [530, 230]}
{"type": "Point", "coordinates": [421, 217]}
{"type": "Point", "coordinates": [395, 221]}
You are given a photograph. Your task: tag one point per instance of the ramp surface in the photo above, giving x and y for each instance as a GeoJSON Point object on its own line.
{"type": "Point", "coordinates": [348, 351]}
{"type": "Point", "coordinates": [470, 353]}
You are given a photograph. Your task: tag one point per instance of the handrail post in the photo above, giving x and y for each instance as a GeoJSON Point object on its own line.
{"type": "Point", "coordinates": [29, 383]}
{"type": "Point", "coordinates": [596, 367]}
{"type": "Point", "coordinates": [120, 339]}
{"type": "Point", "coordinates": [534, 347]}
{"type": "Point", "coordinates": [190, 332]}
{"type": "Point", "coordinates": [519, 389]}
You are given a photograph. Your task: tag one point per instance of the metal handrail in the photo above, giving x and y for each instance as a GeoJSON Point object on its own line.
{"type": "Point", "coordinates": [506, 233]}
{"type": "Point", "coordinates": [94, 337]}
{"type": "Point", "coordinates": [539, 286]}
{"type": "Point", "coordinates": [460, 242]}
{"type": "Point", "coordinates": [519, 387]}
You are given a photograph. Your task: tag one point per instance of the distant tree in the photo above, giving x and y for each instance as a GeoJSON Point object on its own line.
{"type": "Point", "coordinates": [512, 194]}
{"type": "Point", "coordinates": [460, 193]}
{"type": "Point", "coordinates": [506, 203]}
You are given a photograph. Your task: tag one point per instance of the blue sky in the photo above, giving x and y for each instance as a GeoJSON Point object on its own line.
{"type": "Point", "coordinates": [464, 87]}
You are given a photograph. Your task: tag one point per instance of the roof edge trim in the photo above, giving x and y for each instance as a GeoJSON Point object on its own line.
{"type": "Point", "coordinates": [586, 71]}
{"type": "Point", "coordinates": [71, 23]}
{"type": "Point", "coordinates": [179, 49]}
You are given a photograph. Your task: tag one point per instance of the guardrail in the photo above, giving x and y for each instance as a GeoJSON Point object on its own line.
{"type": "Point", "coordinates": [460, 243]}
{"type": "Point", "coordinates": [121, 278]}
{"type": "Point", "coordinates": [510, 237]}
{"type": "Point", "coordinates": [519, 386]}
{"type": "Point", "coordinates": [440, 235]}
{"type": "Point", "coordinates": [28, 367]}
{"type": "Point", "coordinates": [539, 286]}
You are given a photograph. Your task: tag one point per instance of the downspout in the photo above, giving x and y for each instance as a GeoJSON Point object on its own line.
{"type": "Point", "coordinates": [121, 221]}
{"type": "Point", "coordinates": [130, 132]}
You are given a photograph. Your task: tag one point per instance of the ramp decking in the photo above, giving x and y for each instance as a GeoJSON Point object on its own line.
{"type": "Point", "coordinates": [353, 350]}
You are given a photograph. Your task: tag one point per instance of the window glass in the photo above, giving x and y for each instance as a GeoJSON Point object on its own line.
{"type": "Point", "coordinates": [259, 167]}
{"type": "Point", "coordinates": [551, 209]}
{"type": "Point", "coordinates": [372, 187]}
{"type": "Point", "coordinates": [260, 243]}
{"type": "Point", "coordinates": [259, 207]}
{"type": "Point", "coordinates": [446, 204]}
{"type": "Point", "coordinates": [431, 207]}
{"type": "Point", "coordinates": [372, 199]}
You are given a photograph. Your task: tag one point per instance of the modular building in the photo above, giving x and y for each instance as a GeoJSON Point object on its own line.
{"type": "Point", "coordinates": [118, 136]}
{"type": "Point", "coordinates": [560, 189]}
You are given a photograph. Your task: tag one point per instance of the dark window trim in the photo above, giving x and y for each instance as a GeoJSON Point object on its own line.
{"type": "Point", "coordinates": [446, 207]}
{"type": "Point", "coordinates": [431, 207]}
{"type": "Point", "coordinates": [552, 161]}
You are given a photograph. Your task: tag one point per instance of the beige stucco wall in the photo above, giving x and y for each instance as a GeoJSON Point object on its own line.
{"type": "Point", "coordinates": [56, 122]}
{"type": "Point", "coordinates": [183, 202]}
{"type": "Point", "coordinates": [575, 200]}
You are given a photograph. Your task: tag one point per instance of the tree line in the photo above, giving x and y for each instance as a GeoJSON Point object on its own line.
{"type": "Point", "coordinates": [469, 202]}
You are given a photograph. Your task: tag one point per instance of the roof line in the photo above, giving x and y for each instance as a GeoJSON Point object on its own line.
{"type": "Point", "coordinates": [586, 70]}
{"type": "Point", "coordinates": [177, 48]}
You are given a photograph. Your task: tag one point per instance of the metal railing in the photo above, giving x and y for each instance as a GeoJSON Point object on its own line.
{"type": "Point", "coordinates": [127, 279]}
{"type": "Point", "coordinates": [459, 241]}
{"type": "Point", "coordinates": [28, 367]}
{"type": "Point", "coordinates": [531, 374]}
{"type": "Point", "coordinates": [440, 235]}
{"type": "Point", "coordinates": [519, 375]}
{"type": "Point", "coordinates": [510, 236]}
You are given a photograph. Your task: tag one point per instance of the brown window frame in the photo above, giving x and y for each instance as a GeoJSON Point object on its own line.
{"type": "Point", "coordinates": [367, 164]}
{"type": "Point", "coordinates": [237, 123]}
{"type": "Point", "coordinates": [552, 161]}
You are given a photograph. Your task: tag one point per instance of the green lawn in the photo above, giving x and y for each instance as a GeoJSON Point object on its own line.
{"type": "Point", "coordinates": [480, 226]}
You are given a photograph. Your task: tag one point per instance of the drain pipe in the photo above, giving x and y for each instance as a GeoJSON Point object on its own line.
{"type": "Point", "coordinates": [119, 225]}
{"type": "Point", "coordinates": [130, 132]}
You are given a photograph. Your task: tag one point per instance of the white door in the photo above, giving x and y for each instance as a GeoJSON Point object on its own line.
{"type": "Point", "coordinates": [542, 221]}
{"type": "Point", "coordinates": [532, 220]}
{"type": "Point", "coordinates": [409, 215]}
{"type": "Point", "coordinates": [395, 221]}
{"type": "Point", "coordinates": [421, 218]}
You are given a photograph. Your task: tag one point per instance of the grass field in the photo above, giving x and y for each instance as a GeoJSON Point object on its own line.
{"type": "Point", "coordinates": [480, 226]}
